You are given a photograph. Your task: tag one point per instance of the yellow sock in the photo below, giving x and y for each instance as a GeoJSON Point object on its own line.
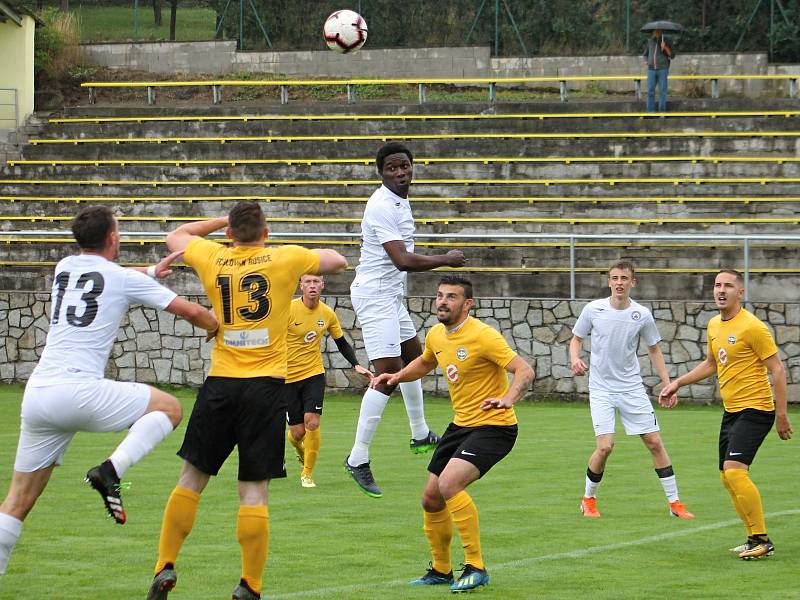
{"type": "Point", "coordinates": [735, 500]}
{"type": "Point", "coordinates": [438, 527]}
{"type": "Point", "coordinates": [252, 531]}
{"type": "Point", "coordinates": [749, 500]}
{"type": "Point", "coordinates": [465, 517]}
{"type": "Point", "coordinates": [298, 445]}
{"type": "Point", "coordinates": [311, 444]}
{"type": "Point", "coordinates": [176, 525]}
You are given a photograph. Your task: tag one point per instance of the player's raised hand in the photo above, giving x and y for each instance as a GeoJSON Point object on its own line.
{"type": "Point", "coordinates": [384, 379]}
{"type": "Point", "coordinates": [784, 427]}
{"type": "Point", "coordinates": [496, 403]}
{"type": "Point", "coordinates": [456, 258]}
{"type": "Point", "coordinates": [578, 367]}
{"type": "Point", "coordinates": [163, 268]}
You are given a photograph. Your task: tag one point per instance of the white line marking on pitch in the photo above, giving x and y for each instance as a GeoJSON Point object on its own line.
{"type": "Point", "coordinates": [515, 564]}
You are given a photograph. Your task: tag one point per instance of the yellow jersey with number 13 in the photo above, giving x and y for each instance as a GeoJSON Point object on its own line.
{"type": "Point", "coordinates": [250, 289]}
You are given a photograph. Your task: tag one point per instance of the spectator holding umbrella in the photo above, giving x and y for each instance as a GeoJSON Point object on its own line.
{"type": "Point", "coordinates": [657, 56]}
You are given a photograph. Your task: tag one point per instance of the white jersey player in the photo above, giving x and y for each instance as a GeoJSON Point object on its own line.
{"type": "Point", "coordinates": [616, 325]}
{"type": "Point", "coordinates": [377, 293]}
{"type": "Point", "coordinates": [67, 393]}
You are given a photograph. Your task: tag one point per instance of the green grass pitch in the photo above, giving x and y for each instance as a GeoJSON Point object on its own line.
{"type": "Point", "coordinates": [334, 542]}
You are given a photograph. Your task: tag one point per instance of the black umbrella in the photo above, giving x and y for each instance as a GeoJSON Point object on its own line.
{"type": "Point", "coordinates": [663, 26]}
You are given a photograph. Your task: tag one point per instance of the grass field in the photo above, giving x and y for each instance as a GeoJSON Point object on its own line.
{"type": "Point", "coordinates": [115, 24]}
{"type": "Point", "coordinates": [334, 542]}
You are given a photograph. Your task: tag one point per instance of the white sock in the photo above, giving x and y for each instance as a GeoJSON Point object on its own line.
{"type": "Point", "coordinates": [670, 486]}
{"type": "Point", "coordinates": [591, 488]}
{"type": "Point", "coordinates": [144, 435]}
{"type": "Point", "coordinates": [10, 528]}
{"type": "Point", "coordinates": [372, 405]}
{"type": "Point", "coordinates": [413, 399]}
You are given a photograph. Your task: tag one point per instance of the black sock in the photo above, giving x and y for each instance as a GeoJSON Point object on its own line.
{"type": "Point", "coordinates": [593, 477]}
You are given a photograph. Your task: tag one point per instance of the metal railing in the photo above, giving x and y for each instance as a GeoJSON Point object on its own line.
{"type": "Point", "coordinates": [3, 119]}
{"type": "Point", "coordinates": [744, 240]}
{"type": "Point", "coordinates": [424, 83]}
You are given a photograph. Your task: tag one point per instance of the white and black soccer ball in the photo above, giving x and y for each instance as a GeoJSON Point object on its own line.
{"type": "Point", "coordinates": [345, 31]}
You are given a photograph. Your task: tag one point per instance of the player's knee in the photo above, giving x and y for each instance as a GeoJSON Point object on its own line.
{"type": "Point", "coordinates": [604, 449]}
{"type": "Point", "coordinates": [174, 412]}
{"type": "Point", "coordinates": [654, 444]}
{"type": "Point", "coordinates": [311, 421]}
{"type": "Point", "coordinates": [166, 403]}
{"type": "Point", "coordinates": [449, 487]}
{"type": "Point", "coordinates": [432, 500]}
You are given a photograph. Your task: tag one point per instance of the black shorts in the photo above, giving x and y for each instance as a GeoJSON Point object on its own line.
{"type": "Point", "coordinates": [304, 396]}
{"type": "Point", "coordinates": [483, 446]}
{"type": "Point", "coordinates": [741, 434]}
{"type": "Point", "coordinates": [246, 412]}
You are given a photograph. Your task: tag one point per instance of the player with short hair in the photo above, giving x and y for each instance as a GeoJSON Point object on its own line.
{"type": "Point", "coordinates": [67, 391]}
{"type": "Point", "coordinates": [309, 319]}
{"type": "Point", "coordinates": [616, 325]}
{"type": "Point", "coordinates": [475, 359]}
{"type": "Point", "coordinates": [390, 339]}
{"type": "Point", "coordinates": [742, 353]}
{"type": "Point", "coordinates": [242, 402]}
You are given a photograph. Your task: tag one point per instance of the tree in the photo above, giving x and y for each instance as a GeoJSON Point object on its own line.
{"type": "Point", "coordinates": [157, 12]}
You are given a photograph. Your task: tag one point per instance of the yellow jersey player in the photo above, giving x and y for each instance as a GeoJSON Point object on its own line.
{"type": "Point", "coordinates": [474, 358]}
{"type": "Point", "coordinates": [741, 352]}
{"type": "Point", "coordinates": [309, 319]}
{"type": "Point", "coordinates": [242, 402]}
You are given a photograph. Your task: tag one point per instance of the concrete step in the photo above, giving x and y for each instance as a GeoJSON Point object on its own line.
{"type": "Point", "coordinates": [443, 148]}
{"type": "Point", "coordinates": [576, 105]}
{"type": "Point", "coordinates": [439, 171]}
{"type": "Point", "coordinates": [595, 207]}
{"type": "Point", "coordinates": [595, 255]}
{"type": "Point", "coordinates": [67, 188]}
{"type": "Point", "coordinates": [396, 127]}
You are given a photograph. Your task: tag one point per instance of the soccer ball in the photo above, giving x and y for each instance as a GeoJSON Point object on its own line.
{"type": "Point", "coordinates": [345, 31]}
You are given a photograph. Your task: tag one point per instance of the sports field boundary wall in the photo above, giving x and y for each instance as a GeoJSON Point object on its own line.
{"type": "Point", "coordinates": [221, 57]}
{"type": "Point", "coordinates": [156, 347]}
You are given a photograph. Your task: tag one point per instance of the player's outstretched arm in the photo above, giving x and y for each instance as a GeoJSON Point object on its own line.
{"type": "Point", "coordinates": [197, 315]}
{"type": "Point", "coordinates": [330, 261]}
{"type": "Point", "coordinates": [705, 369]}
{"type": "Point", "coordinates": [782, 424]}
{"type": "Point", "coordinates": [349, 354]}
{"type": "Point", "coordinates": [577, 365]}
{"type": "Point", "coordinates": [410, 261]}
{"type": "Point", "coordinates": [162, 268]}
{"type": "Point", "coordinates": [416, 369]}
{"type": "Point", "coordinates": [522, 377]}
{"type": "Point", "coordinates": [179, 238]}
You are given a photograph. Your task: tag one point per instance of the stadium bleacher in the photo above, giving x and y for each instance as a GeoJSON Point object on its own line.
{"type": "Point", "coordinates": [511, 185]}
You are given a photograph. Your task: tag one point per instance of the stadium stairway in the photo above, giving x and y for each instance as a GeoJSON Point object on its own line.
{"type": "Point", "coordinates": [488, 180]}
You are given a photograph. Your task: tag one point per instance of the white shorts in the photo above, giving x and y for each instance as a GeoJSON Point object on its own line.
{"type": "Point", "coordinates": [385, 324]}
{"type": "Point", "coordinates": [52, 414]}
{"type": "Point", "coordinates": [635, 411]}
